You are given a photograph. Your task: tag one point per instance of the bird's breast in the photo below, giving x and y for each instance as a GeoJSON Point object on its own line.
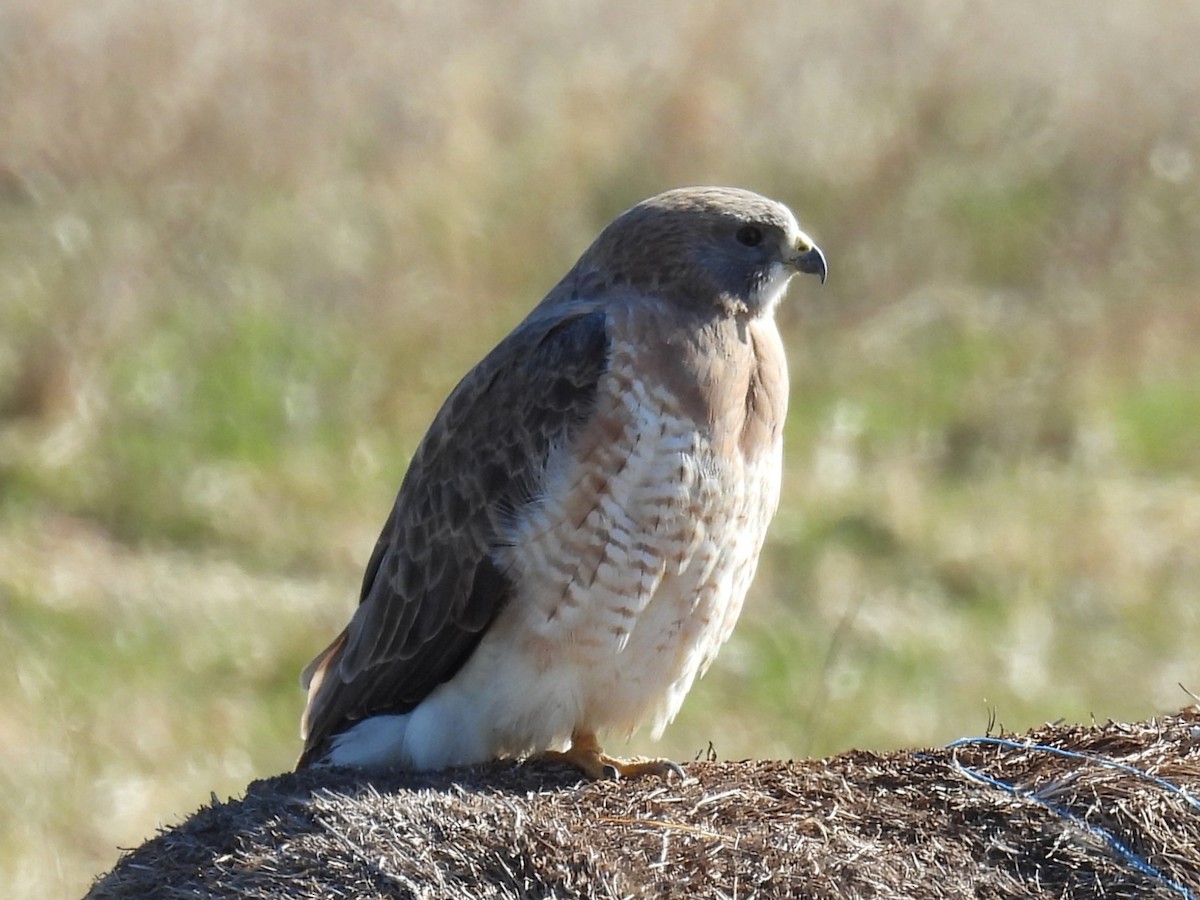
{"type": "Point", "coordinates": [633, 561]}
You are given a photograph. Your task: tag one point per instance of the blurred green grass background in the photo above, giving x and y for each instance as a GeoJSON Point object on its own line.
{"type": "Point", "coordinates": [247, 249]}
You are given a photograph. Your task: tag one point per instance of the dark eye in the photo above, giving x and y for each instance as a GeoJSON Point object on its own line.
{"type": "Point", "coordinates": [750, 235]}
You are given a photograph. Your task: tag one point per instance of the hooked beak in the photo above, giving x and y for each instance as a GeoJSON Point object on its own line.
{"type": "Point", "coordinates": [810, 260]}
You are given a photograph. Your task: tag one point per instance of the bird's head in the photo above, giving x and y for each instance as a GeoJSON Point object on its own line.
{"type": "Point", "coordinates": [707, 247]}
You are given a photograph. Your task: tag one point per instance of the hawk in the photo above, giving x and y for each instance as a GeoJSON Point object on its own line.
{"type": "Point", "coordinates": [575, 534]}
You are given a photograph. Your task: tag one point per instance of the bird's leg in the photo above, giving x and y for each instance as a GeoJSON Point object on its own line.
{"type": "Point", "coordinates": [585, 755]}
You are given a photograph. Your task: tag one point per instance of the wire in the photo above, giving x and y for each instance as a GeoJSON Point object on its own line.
{"type": "Point", "coordinates": [1111, 840]}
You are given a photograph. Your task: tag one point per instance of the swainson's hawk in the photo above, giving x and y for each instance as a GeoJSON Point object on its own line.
{"type": "Point", "coordinates": [576, 532]}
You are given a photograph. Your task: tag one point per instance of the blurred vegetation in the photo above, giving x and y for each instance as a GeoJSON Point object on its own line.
{"type": "Point", "coordinates": [246, 250]}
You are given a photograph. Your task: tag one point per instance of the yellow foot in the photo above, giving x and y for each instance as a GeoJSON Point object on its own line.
{"type": "Point", "coordinates": [585, 755]}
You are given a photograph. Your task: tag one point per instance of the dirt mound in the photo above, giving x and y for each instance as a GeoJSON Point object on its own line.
{"type": "Point", "coordinates": [1066, 811]}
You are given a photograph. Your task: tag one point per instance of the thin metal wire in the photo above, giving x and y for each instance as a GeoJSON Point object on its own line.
{"type": "Point", "coordinates": [1086, 757]}
{"type": "Point", "coordinates": [1111, 840]}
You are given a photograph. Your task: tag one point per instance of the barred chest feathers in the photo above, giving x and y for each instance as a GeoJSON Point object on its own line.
{"type": "Point", "coordinates": [637, 556]}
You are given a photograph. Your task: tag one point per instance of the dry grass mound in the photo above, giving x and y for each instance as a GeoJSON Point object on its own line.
{"type": "Point", "coordinates": [1064, 811]}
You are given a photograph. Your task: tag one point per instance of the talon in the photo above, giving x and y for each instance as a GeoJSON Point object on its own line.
{"type": "Point", "coordinates": [585, 755]}
{"type": "Point", "coordinates": [663, 768]}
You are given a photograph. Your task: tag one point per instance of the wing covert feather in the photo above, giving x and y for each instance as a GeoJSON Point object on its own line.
{"type": "Point", "coordinates": [431, 587]}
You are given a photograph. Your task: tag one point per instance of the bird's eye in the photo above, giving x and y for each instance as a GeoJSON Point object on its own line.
{"type": "Point", "coordinates": [750, 235]}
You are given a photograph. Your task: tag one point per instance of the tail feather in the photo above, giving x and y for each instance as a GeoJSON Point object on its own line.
{"type": "Point", "coordinates": [313, 730]}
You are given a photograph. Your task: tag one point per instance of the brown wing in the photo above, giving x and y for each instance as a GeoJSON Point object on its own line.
{"type": "Point", "coordinates": [431, 588]}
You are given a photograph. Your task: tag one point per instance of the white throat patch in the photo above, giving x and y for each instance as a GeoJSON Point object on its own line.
{"type": "Point", "coordinates": [768, 294]}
